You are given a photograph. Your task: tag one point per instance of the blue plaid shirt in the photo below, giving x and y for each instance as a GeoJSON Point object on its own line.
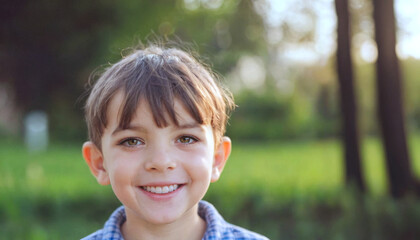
{"type": "Point", "coordinates": [217, 227]}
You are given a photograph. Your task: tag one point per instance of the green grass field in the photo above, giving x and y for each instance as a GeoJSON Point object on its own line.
{"type": "Point", "coordinates": [282, 189]}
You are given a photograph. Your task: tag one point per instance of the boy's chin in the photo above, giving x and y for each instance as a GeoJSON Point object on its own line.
{"type": "Point", "coordinates": [162, 216]}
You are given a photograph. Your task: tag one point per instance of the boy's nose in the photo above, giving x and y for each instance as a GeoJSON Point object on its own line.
{"type": "Point", "coordinates": [160, 160]}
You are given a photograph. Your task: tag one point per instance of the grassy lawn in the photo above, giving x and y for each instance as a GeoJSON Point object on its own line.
{"type": "Point", "coordinates": [53, 195]}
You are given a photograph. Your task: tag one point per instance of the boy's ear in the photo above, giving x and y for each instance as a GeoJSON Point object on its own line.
{"type": "Point", "coordinates": [94, 159]}
{"type": "Point", "coordinates": [220, 157]}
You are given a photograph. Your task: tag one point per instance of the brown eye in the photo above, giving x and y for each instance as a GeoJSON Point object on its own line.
{"type": "Point", "coordinates": [131, 142]}
{"type": "Point", "coordinates": [186, 140]}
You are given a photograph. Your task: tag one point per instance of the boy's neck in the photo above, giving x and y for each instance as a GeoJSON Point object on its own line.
{"type": "Point", "coordinates": [191, 226]}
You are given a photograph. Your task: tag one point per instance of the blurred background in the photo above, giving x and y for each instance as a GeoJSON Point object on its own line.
{"type": "Point", "coordinates": [325, 138]}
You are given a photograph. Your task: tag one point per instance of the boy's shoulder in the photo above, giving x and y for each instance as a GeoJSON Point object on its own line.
{"type": "Point", "coordinates": [218, 228]}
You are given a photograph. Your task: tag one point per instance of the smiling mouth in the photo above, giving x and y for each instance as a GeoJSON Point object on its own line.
{"type": "Point", "coordinates": [161, 189]}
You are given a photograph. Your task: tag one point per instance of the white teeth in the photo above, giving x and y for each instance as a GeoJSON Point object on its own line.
{"type": "Point", "coordinates": [161, 190]}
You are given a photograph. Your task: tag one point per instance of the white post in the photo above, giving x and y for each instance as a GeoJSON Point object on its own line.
{"type": "Point", "coordinates": [36, 131]}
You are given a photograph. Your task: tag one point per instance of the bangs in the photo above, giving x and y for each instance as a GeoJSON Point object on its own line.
{"type": "Point", "coordinates": [159, 87]}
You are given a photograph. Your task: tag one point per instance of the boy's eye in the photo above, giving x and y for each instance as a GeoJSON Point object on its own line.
{"type": "Point", "coordinates": [131, 142]}
{"type": "Point", "coordinates": [187, 140]}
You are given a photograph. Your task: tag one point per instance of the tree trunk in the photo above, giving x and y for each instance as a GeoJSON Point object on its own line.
{"type": "Point", "coordinates": [353, 168]}
{"type": "Point", "coordinates": [390, 106]}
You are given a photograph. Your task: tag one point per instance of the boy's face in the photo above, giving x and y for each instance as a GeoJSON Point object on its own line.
{"type": "Point", "coordinates": [159, 174]}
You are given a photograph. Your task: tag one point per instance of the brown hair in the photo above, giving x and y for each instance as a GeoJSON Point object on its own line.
{"type": "Point", "coordinates": [159, 76]}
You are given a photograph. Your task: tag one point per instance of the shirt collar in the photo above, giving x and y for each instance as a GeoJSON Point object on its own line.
{"type": "Point", "coordinates": [112, 228]}
{"type": "Point", "coordinates": [215, 222]}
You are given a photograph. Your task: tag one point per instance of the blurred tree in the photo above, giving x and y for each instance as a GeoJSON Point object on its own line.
{"type": "Point", "coordinates": [353, 168]}
{"type": "Point", "coordinates": [390, 105]}
{"type": "Point", "coordinates": [45, 44]}
{"type": "Point", "coordinates": [45, 48]}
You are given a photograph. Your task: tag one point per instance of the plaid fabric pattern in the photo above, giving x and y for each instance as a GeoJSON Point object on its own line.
{"type": "Point", "coordinates": [111, 230]}
{"type": "Point", "coordinates": [217, 227]}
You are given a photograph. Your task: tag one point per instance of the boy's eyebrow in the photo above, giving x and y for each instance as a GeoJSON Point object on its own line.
{"type": "Point", "coordinates": [189, 125]}
{"type": "Point", "coordinates": [129, 127]}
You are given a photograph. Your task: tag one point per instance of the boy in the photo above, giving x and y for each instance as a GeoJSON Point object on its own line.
{"type": "Point", "coordinates": [156, 121]}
